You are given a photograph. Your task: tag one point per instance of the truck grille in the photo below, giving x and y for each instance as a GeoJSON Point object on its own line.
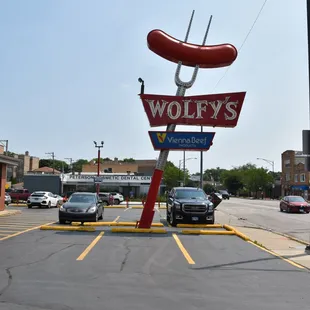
{"type": "Point", "coordinates": [195, 208]}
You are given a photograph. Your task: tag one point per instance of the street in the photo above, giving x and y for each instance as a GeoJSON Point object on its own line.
{"type": "Point", "coordinates": [103, 270]}
{"type": "Point", "coordinates": [266, 214]}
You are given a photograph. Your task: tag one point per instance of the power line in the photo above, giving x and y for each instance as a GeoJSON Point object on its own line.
{"type": "Point", "coordinates": [245, 39]}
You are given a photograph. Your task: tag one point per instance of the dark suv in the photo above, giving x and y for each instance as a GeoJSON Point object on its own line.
{"type": "Point", "coordinates": [224, 194]}
{"type": "Point", "coordinates": [189, 205]}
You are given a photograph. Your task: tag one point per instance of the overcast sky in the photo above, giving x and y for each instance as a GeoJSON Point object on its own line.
{"type": "Point", "coordinates": [69, 71]}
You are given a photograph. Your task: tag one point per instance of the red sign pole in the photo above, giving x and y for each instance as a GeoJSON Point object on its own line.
{"type": "Point", "coordinates": [148, 210]}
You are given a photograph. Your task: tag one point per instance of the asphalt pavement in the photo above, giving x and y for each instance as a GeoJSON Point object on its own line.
{"type": "Point", "coordinates": [266, 214]}
{"type": "Point", "coordinates": [40, 270]}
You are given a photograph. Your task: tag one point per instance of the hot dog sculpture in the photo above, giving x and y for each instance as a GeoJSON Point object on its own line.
{"type": "Point", "coordinates": [191, 55]}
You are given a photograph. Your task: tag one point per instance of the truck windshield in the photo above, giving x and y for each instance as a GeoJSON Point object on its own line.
{"type": "Point", "coordinates": [190, 194]}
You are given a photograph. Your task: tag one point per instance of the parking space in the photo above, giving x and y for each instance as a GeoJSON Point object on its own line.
{"type": "Point", "coordinates": [51, 269]}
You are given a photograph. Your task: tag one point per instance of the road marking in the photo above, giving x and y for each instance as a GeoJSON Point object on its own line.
{"type": "Point", "coordinates": [127, 209]}
{"type": "Point", "coordinates": [183, 250]}
{"type": "Point", "coordinates": [89, 248]}
{"type": "Point", "coordinates": [279, 256]}
{"type": "Point", "coordinates": [24, 231]}
{"type": "Point", "coordinates": [116, 219]}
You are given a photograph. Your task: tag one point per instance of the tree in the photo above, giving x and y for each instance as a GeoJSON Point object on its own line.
{"type": "Point", "coordinates": [102, 160]}
{"type": "Point", "coordinates": [208, 188]}
{"type": "Point", "coordinates": [129, 160]}
{"type": "Point", "coordinates": [213, 174]}
{"type": "Point", "coordinates": [173, 175]}
{"type": "Point", "coordinates": [56, 164]}
{"type": "Point", "coordinates": [232, 180]}
{"type": "Point", "coordinates": [78, 165]}
{"type": "Point", "coordinates": [106, 159]}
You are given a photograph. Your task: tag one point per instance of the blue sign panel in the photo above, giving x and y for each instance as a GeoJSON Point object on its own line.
{"type": "Point", "coordinates": [177, 140]}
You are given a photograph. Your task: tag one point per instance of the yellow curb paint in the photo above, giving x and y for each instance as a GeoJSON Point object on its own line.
{"type": "Point", "coordinates": [199, 225]}
{"type": "Point", "coordinates": [138, 230]}
{"type": "Point", "coordinates": [90, 247]}
{"type": "Point", "coordinates": [237, 233]}
{"type": "Point", "coordinates": [68, 228]}
{"type": "Point", "coordinates": [92, 224]}
{"type": "Point", "coordinates": [10, 213]}
{"type": "Point", "coordinates": [24, 231]}
{"type": "Point", "coordinates": [134, 224]}
{"type": "Point", "coordinates": [228, 227]}
{"type": "Point", "coordinates": [183, 250]}
{"type": "Point", "coordinates": [277, 255]}
{"type": "Point", "coordinates": [207, 232]}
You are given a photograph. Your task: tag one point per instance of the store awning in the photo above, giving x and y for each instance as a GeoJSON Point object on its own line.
{"type": "Point", "coordinates": [7, 160]}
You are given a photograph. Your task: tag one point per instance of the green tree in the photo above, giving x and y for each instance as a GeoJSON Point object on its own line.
{"type": "Point", "coordinates": [129, 160]}
{"type": "Point", "coordinates": [232, 180]}
{"type": "Point", "coordinates": [78, 165]}
{"type": "Point", "coordinates": [102, 160]}
{"type": "Point", "coordinates": [213, 174]}
{"type": "Point", "coordinates": [59, 165]}
{"type": "Point", "coordinates": [173, 175]}
{"type": "Point", "coordinates": [208, 188]}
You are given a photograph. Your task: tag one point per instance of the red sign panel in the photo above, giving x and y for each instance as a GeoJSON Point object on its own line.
{"type": "Point", "coordinates": [217, 110]}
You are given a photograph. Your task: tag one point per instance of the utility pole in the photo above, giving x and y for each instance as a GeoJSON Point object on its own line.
{"type": "Point", "coordinates": [270, 162]}
{"type": "Point", "coordinates": [98, 165]}
{"type": "Point", "coordinates": [70, 161]}
{"type": "Point", "coordinates": [53, 158]}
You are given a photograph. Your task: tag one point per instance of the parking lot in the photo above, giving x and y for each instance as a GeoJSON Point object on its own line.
{"type": "Point", "coordinates": [92, 270]}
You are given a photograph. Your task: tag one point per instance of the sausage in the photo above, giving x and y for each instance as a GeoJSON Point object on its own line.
{"type": "Point", "coordinates": [205, 56]}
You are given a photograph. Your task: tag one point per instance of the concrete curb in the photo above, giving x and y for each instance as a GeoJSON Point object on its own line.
{"type": "Point", "coordinates": [68, 228]}
{"type": "Point", "coordinates": [199, 226]}
{"type": "Point", "coordinates": [207, 232]}
{"type": "Point", "coordinates": [138, 230]}
{"type": "Point", "coordinates": [9, 213]}
{"type": "Point", "coordinates": [134, 224]}
{"type": "Point", "coordinates": [237, 233]}
{"type": "Point", "coordinates": [92, 224]}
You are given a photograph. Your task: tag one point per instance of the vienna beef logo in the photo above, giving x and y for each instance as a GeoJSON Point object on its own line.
{"type": "Point", "coordinates": [161, 137]}
{"type": "Point", "coordinates": [221, 110]}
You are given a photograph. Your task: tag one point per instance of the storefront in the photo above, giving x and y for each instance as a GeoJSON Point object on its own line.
{"type": "Point", "coordinates": [300, 190]}
{"type": "Point", "coordinates": [5, 161]}
{"type": "Point", "coordinates": [122, 183]}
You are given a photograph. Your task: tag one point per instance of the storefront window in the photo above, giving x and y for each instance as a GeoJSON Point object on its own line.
{"type": "Point", "coordinates": [302, 177]}
{"type": "Point", "coordinates": [296, 178]}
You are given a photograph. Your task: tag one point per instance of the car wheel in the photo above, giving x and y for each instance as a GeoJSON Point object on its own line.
{"type": "Point", "coordinates": [172, 220]}
{"type": "Point", "coordinates": [281, 210]}
{"type": "Point", "coordinates": [62, 221]}
{"type": "Point", "coordinates": [116, 201]}
{"type": "Point", "coordinates": [49, 205]}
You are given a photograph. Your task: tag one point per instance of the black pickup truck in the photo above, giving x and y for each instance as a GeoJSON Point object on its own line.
{"type": "Point", "coordinates": [189, 205]}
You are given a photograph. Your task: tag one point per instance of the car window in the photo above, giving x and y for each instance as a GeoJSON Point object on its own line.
{"type": "Point", "coordinates": [296, 199]}
{"type": "Point", "coordinates": [38, 194]}
{"type": "Point", "coordinates": [82, 198]}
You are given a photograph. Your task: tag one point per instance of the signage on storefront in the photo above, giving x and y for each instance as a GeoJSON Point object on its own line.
{"type": "Point", "coordinates": [71, 178]}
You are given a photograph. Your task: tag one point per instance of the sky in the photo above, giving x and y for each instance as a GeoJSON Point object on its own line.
{"type": "Point", "coordinates": [70, 68]}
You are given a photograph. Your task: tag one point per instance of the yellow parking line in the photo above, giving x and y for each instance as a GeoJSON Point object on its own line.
{"type": "Point", "coordinates": [116, 219]}
{"type": "Point", "coordinates": [277, 255]}
{"type": "Point", "coordinates": [24, 231]}
{"type": "Point", "coordinates": [183, 250]}
{"type": "Point", "coordinates": [89, 248]}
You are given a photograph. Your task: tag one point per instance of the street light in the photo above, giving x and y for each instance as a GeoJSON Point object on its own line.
{"type": "Point", "coordinates": [270, 162]}
{"type": "Point", "coordinates": [142, 86]}
{"type": "Point", "coordinates": [183, 161]}
{"type": "Point", "coordinates": [98, 165]}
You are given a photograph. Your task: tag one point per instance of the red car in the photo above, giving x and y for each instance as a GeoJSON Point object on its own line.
{"type": "Point", "coordinates": [294, 204]}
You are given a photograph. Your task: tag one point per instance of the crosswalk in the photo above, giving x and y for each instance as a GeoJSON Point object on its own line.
{"type": "Point", "coordinates": [28, 220]}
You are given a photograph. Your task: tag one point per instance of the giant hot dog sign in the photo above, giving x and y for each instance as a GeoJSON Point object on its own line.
{"type": "Point", "coordinates": [216, 110]}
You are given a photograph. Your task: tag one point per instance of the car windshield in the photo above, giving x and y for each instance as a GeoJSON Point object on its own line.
{"type": "Point", "coordinates": [82, 198]}
{"type": "Point", "coordinates": [223, 192]}
{"type": "Point", "coordinates": [190, 194]}
{"type": "Point", "coordinates": [296, 199]}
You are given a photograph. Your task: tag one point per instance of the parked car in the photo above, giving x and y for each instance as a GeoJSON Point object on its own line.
{"type": "Point", "coordinates": [105, 198]}
{"type": "Point", "coordinates": [7, 199]}
{"type": "Point", "coordinates": [294, 204]}
{"type": "Point", "coordinates": [118, 198]}
{"type": "Point", "coordinates": [43, 199]}
{"type": "Point", "coordinates": [189, 205]}
{"type": "Point", "coordinates": [224, 194]}
{"type": "Point", "coordinates": [81, 207]}
{"type": "Point", "coordinates": [19, 195]}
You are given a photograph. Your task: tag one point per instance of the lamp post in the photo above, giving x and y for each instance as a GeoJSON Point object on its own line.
{"type": "Point", "coordinates": [270, 162]}
{"type": "Point", "coordinates": [98, 165]}
{"type": "Point", "coordinates": [53, 158]}
{"type": "Point", "coordinates": [183, 161]}
{"type": "Point", "coordinates": [142, 86]}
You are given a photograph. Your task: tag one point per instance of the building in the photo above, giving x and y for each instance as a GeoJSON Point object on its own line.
{"type": "Point", "coordinates": [44, 170]}
{"type": "Point", "coordinates": [295, 179]}
{"type": "Point", "coordinates": [27, 163]}
{"type": "Point", "coordinates": [5, 161]}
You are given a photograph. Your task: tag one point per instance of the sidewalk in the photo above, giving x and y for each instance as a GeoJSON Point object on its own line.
{"type": "Point", "coordinates": [280, 245]}
{"type": "Point", "coordinates": [9, 212]}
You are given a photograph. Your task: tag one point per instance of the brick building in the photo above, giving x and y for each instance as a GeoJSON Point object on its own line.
{"type": "Point", "coordinates": [295, 179]}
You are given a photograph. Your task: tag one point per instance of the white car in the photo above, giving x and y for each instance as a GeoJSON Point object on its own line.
{"type": "Point", "coordinates": [43, 199]}
{"type": "Point", "coordinates": [118, 198]}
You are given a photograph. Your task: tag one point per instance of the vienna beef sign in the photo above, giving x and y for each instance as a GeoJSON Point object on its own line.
{"type": "Point", "coordinates": [217, 110]}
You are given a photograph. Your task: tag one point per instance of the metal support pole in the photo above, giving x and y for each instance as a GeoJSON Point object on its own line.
{"type": "Point", "coordinates": [308, 28]}
{"type": "Point", "coordinates": [183, 168]}
{"type": "Point", "coordinates": [201, 165]}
